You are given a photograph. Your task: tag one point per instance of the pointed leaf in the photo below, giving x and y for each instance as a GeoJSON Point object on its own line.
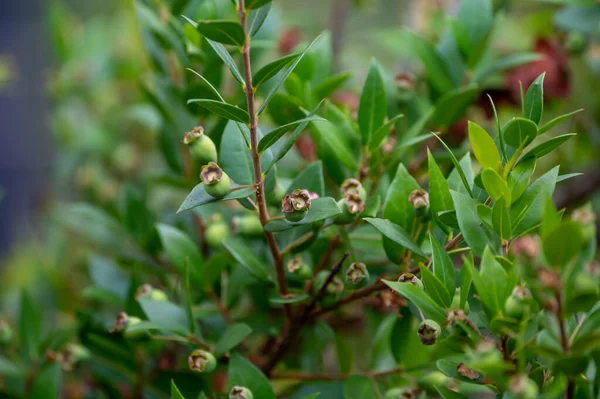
{"type": "Point", "coordinates": [166, 314]}
{"type": "Point", "coordinates": [442, 266]}
{"type": "Point", "coordinates": [475, 234]}
{"type": "Point", "coordinates": [547, 147]}
{"type": "Point", "coordinates": [373, 104]}
{"type": "Point", "coordinates": [198, 196]}
{"type": "Point", "coordinates": [232, 337]}
{"type": "Point", "coordinates": [457, 165]}
{"type": "Point", "coordinates": [518, 180]}
{"type": "Point", "coordinates": [320, 209]}
{"type": "Point", "coordinates": [484, 148]}
{"type": "Point", "coordinates": [257, 17]}
{"type": "Point", "coordinates": [271, 138]}
{"type": "Point", "coordinates": [434, 287]}
{"type": "Point", "coordinates": [175, 393]}
{"type": "Point", "coordinates": [382, 132]}
{"type": "Point", "coordinates": [271, 69]}
{"type": "Point", "coordinates": [247, 258]}
{"type": "Point", "coordinates": [440, 199]}
{"type": "Point", "coordinates": [495, 185]}
{"type": "Point", "coordinates": [396, 234]}
{"type": "Point", "coordinates": [420, 299]}
{"type": "Point", "coordinates": [226, 32]}
{"type": "Point", "coordinates": [254, 4]}
{"type": "Point", "coordinates": [180, 248]}
{"type": "Point", "coordinates": [222, 109]}
{"type": "Point", "coordinates": [534, 100]}
{"type": "Point", "coordinates": [549, 125]}
{"type": "Point", "coordinates": [243, 373]}
{"type": "Point", "coordinates": [501, 219]}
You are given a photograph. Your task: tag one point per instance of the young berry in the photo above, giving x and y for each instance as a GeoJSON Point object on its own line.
{"type": "Point", "coordinates": [201, 147]}
{"type": "Point", "coordinates": [216, 182]}
{"type": "Point", "coordinates": [295, 205]}
{"type": "Point", "coordinates": [202, 361]}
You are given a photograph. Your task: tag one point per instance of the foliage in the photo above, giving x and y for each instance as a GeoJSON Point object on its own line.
{"type": "Point", "coordinates": [232, 260]}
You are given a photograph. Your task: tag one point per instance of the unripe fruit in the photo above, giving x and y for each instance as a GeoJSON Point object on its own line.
{"type": "Point", "coordinates": [357, 272]}
{"type": "Point", "coordinates": [238, 392]}
{"type": "Point", "coordinates": [202, 361]}
{"type": "Point", "coordinates": [420, 201]}
{"type": "Point", "coordinates": [351, 206]}
{"type": "Point", "coordinates": [216, 232]}
{"type": "Point", "coordinates": [146, 291]}
{"type": "Point", "coordinates": [216, 182]}
{"type": "Point", "coordinates": [353, 187]}
{"type": "Point", "coordinates": [6, 332]}
{"type": "Point", "coordinates": [410, 278]}
{"type": "Point", "coordinates": [429, 332]}
{"type": "Point", "coordinates": [516, 302]}
{"type": "Point", "coordinates": [295, 205]}
{"type": "Point", "coordinates": [299, 268]}
{"type": "Point", "coordinates": [133, 320]}
{"type": "Point", "coordinates": [248, 225]}
{"type": "Point", "coordinates": [274, 197]}
{"type": "Point", "coordinates": [201, 147]}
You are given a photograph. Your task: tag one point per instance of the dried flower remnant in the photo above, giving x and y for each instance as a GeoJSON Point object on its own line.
{"type": "Point", "coordinates": [357, 272]}
{"type": "Point", "coordinates": [202, 361]}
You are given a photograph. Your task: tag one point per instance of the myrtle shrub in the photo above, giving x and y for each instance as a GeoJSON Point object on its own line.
{"type": "Point", "coordinates": [321, 249]}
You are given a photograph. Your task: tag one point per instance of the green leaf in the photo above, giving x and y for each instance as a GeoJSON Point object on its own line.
{"type": "Point", "coordinates": [484, 148]}
{"type": "Point", "coordinates": [453, 104]}
{"type": "Point", "coordinates": [501, 219]}
{"type": "Point", "coordinates": [278, 300]}
{"type": "Point", "coordinates": [198, 197]}
{"type": "Point", "coordinates": [457, 165]}
{"type": "Point", "coordinates": [437, 69]}
{"type": "Point", "coordinates": [222, 109]}
{"type": "Point", "coordinates": [283, 77]}
{"type": "Point", "coordinates": [518, 179]}
{"type": "Point", "coordinates": [332, 136]}
{"type": "Point", "coordinates": [434, 287]}
{"type": "Point", "coordinates": [271, 138]}
{"type": "Point", "coordinates": [311, 396]}
{"type": "Point", "coordinates": [373, 103]}
{"type": "Point", "coordinates": [271, 69]}
{"type": "Point", "coordinates": [475, 234]}
{"type": "Point", "coordinates": [475, 19]}
{"type": "Point", "coordinates": [226, 32]}
{"type": "Point", "coordinates": [446, 393]}
{"type": "Point", "coordinates": [442, 265]}
{"type": "Point", "coordinates": [549, 125]}
{"type": "Point", "coordinates": [519, 132]}
{"type": "Point", "coordinates": [465, 285]}
{"type": "Point", "coordinates": [440, 199]}
{"type": "Point", "coordinates": [396, 233]}
{"type": "Point", "coordinates": [490, 284]}
{"type": "Point", "coordinates": [485, 70]}
{"type": "Point", "coordinates": [232, 337]}
{"type": "Point", "coordinates": [289, 143]}
{"type": "Point", "coordinates": [345, 354]}
{"type": "Point", "coordinates": [562, 243]}
{"type": "Point", "coordinates": [254, 4]}
{"type": "Point", "coordinates": [320, 209]}
{"type": "Point", "coordinates": [331, 84]}
{"type": "Point", "coordinates": [533, 199]}
{"type": "Point", "coordinates": [47, 382]}
{"type": "Point", "coordinates": [8, 368]}
{"type": "Point", "coordinates": [227, 60]}
{"type": "Point", "coordinates": [420, 299]}
{"type": "Point", "coordinates": [175, 394]}
{"type": "Point", "coordinates": [30, 326]}
{"type": "Point", "coordinates": [235, 157]}
{"type": "Point", "coordinates": [310, 178]}
{"type": "Point", "coordinates": [246, 258]}
{"type": "Point", "coordinates": [359, 387]}
{"type": "Point", "coordinates": [534, 100]}
{"type": "Point", "coordinates": [257, 17]}
{"type": "Point", "coordinates": [547, 147]}
{"type": "Point", "coordinates": [449, 367]}
{"type": "Point", "coordinates": [166, 314]}
{"type": "Point", "coordinates": [180, 248]}
{"type": "Point", "coordinates": [243, 373]}
{"type": "Point", "coordinates": [495, 185]}
{"type": "Point", "coordinates": [381, 133]}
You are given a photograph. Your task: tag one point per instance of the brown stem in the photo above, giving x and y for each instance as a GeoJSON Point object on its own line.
{"type": "Point", "coordinates": [333, 244]}
{"type": "Point", "coordinates": [292, 333]}
{"type": "Point", "coordinates": [258, 179]}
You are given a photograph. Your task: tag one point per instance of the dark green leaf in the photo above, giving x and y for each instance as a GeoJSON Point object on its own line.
{"type": "Point", "coordinates": [227, 59]}
{"type": "Point", "coordinates": [245, 374]}
{"type": "Point", "coordinates": [547, 147]}
{"type": "Point", "coordinates": [283, 77]}
{"type": "Point", "coordinates": [534, 100]}
{"type": "Point", "coordinates": [501, 219]}
{"type": "Point", "coordinates": [518, 179]}
{"type": "Point", "coordinates": [180, 248]}
{"type": "Point", "coordinates": [434, 287]}
{"type": "Point", "coordinates": [492, 284]}
{"type": "Point", "coordinates": [272, 69]}
{"type": "Point", "coordinates": [232, 337]}
{"type": "Point", "coordinates": [277, 300]}
{"type": "Point", "coordinates": [246, 258]}
{"type": "Point", "coordinates": [449, 367]}
{"type": "Point", "coordinates": [519, 132]}
{"type": "Point", "coordinates": [420, 299]}
{"type": "Point", "coordinates": [437, 69]}
{"type": "Point", "coordinates": [235, 157]}
{"type": "Point", "coordinates": [452, 105]}
{"type": "Point", "coordinates": [476, 235]}
{"type": "Point", "coordinates": [257, 17]}
{"type": "Point", "coordinates": [320, 209]}
{"type": "Point", "coordinates": [332, 136]}
{"type": "Point", "coordinates": [563, 243]}
{"type": "Point", "coordinates": [47, 382]}
{"type": "Point", "coordinates": [253, 4]}
{"type": "Point", "coordinates": [198, 197]}
{"type": "Point", "coordinates": [440, 199]}
{"type": "Point", "coordinates": [465, 285]}
{"type": "Point", "coordinates": [175, 394]}
{"type": "Point", "coordinates": [30, 326]}
{"type": "Point", "coordinates": [166, 314]}
{"type": "Point", "coordinates": [484, 148]}
{"type": "Point", "coordinates": [359, 387]}
{"type": "Point", "coordinates": [442, 266]}
{"type": "Point", "coordinates": [331, 84]}
{"type": "Point", "coordinates": [310, 178]}
{"type": "Point", "coordinates": [475, 19]}
{"type": "Point", "coordinates": [223, 109]}
{"type": "Point", "coordinates": [556, 121]}
{"type": "Point", "coordinates": [396, 234]}
{"type": "Point", "coordinates": [271, 138]}
{"type": "Point", "coordinates": [381, 133]}
{"type": "Point", "coordinates": [373, 104]}
{"type": "Point", "coordinates": [446, 393]}
{"type": "Point", "coordinates": [485, 70]}
{"type": "Point", "coordinates": [226, 32]}
{"type": "Point", "coordinates": [8, 368]}
{"type": "Point", "coordinates": [345, 354]}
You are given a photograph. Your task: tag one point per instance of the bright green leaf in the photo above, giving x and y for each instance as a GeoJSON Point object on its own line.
{"type": "Point", "coordinates": [495, 185]}
{"type": "Point", "coordinates": [484, 148]}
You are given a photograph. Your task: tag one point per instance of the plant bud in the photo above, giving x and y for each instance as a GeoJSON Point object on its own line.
{"type": "Point", "coordinates": [526, 247]}
{"type": "Point", "coordinates": [456, 302]}
{"type": "Point", "coordinates": [351, 206]}
{"type": "Point", "coordinates": [248, 225]}
{"type": "Point", "coordinates": [202, 361]}
{"type": "Point", "coordinates": [399, 393]}
{"type": "Point", "coordinates": [352, 187]}
{"type": "Point", "coordinates": [146, 291]}
{"type": "Point", "coordinates": [201, 147]}
{"type": "Point", "coordinates": [523, 387]}
{"type": "Point", "coordinates": [216, 232]}
{"type": "Point", "coordinates": [297, 266]}
{"type": "Point", "coordinates": [429, 332]}
{"type": "Point", "coordinates": [6, 332]}
{"type": "Point", "coordinates": [419, 199]}
{"type": "Point", "coordinates": [216, 182]}
{"type": "Point", "coordinates": [295, 205]}
{"type": "Point", "coordinates": [357, 272]}
{"type": "Point", "coordinates": [515, 303]}
{"type": "Point", "coordinates": [410, 278]}
{"type": "Point", "coordinates": [238, 392]}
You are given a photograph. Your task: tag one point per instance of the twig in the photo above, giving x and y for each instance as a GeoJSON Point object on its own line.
{"type": "Point", "coordinates": [333, 244]}
{"type": "Point", "coordinates": [258, 179]}
{"type": "Point", "coordinates": [295, 327]}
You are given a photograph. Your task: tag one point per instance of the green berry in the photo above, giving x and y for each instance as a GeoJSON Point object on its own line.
{"type": "Point", "coordinates": [428, 332]}
{"type": "Point", "coordinates": [216, 181]}
{"type": "Point", "coordinates": [202, 361]}
{"type": "Point", "coordinates": [238, 392]}
{"type": "Point", "coordinates": [522, 387]}
{"type": "Point", "coordinates": [248, 225]}
{"type": "Point", "coordinates": [201, 147]}
{"type": "Point", "coordinates": [216, 232]}
{"type": "Point", "coordinates": [132, 321]}
{"type": "Point", "coordinates": [295, 205]}
{"type": "Point", "coordinates": [515, 304]}
{"type": "Point", "coordinates": [275, 196]}
{"type": "Point", "coordinates": [299, 268]}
